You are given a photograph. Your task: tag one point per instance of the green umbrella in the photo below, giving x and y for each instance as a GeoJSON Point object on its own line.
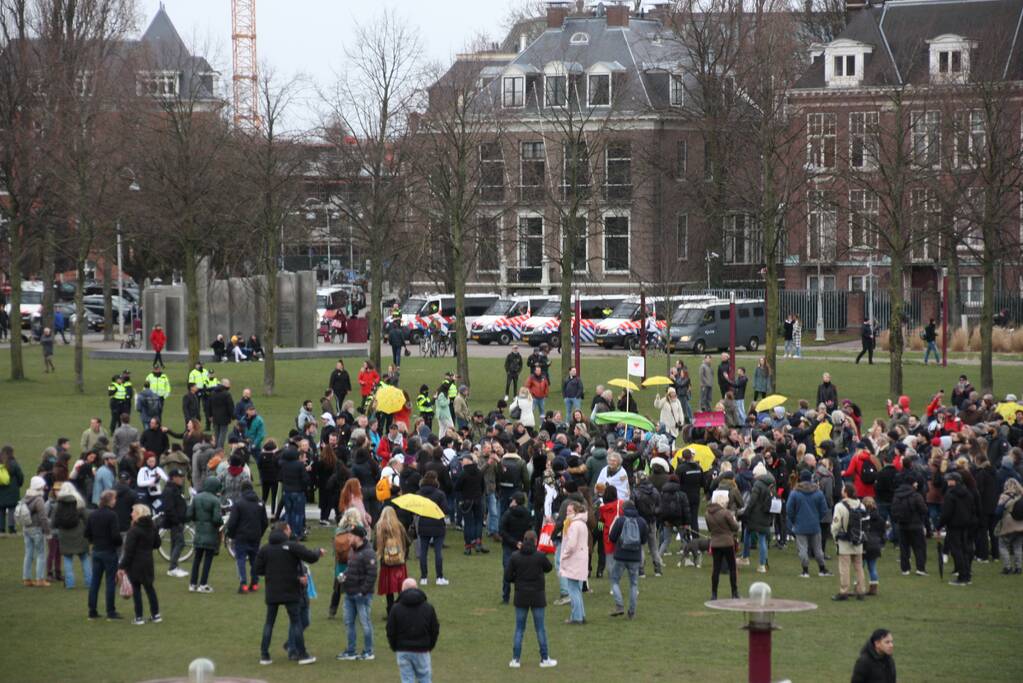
{"type": "Point", "coordinates": [619, 416]}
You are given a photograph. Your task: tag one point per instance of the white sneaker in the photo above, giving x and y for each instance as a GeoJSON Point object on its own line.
{"type": "Point", "coordinates": [514, 664]}
{"type": "Point", "coordinates": [689, 562]}
{"type": "Point", "coordinates": [177, 573]}
{"type": "Point", "coordinates": [205, 588]}
{"type": "Point", "coordinates": [192, 588]}
{"type": "Point", "coordinates": [548, 663]}
{"type": "Point", "coordinates": [424, 581]}
{"type": "Point", "coordinates": [442, 581]}
{"type": "Point", "coordinates": [308, 659]}
{"type": "Point", "coordinates": [761, 569]}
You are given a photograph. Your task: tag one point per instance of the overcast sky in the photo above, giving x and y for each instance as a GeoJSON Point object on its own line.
{"type": "Point", "coordinates": [308, 36]}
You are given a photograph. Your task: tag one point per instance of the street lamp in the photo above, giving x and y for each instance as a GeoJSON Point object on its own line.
{"type": "Point", "coordinates": [820, 304]}
{"type": "Point", "coordinates": [133, 187]}
{"type": "Point", "coordinates": [710, 255]}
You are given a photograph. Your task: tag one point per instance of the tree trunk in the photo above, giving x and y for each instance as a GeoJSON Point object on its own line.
{"type": "Point", "coordinates": [108, 304]}
{"type": "Point", "coordinates": [771, 317]}
{"type": "Point", "coordinates": [987, 305]}
{"type": "Point", "coordinates": [459, 267]}
{"type": "Point", "coordinates": [567, 311]}
{"type": "Point", "coordinates": [376, 297]}
{"type": "Point", "coordinates": [269, 326]}
{"type": "Point", "coordinates": [17, 356]}
{"type": "Point", "coordinates": [896, 341]}
{"type": "Point", "coordinates": [49, 267]}
{"type": "Point", "coordinates": [79, 318]}
{"type": "Point", "coordinates": [952, 264]}
{"type": "Point", "coordinates": [192, 305]}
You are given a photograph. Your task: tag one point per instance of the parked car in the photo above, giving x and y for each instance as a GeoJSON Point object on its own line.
{"type": "Point", "coordinates": [121, 307]}
{"type": "Point", "coordinates": [93, 322]}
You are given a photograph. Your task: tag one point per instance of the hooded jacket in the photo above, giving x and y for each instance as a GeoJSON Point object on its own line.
{"type": "Point", "coordinates": [72, 540]}
{"type": "Point", "coordinates": [469, 484]}
{"type": "Point", "coordinates": [959, 509]}
{"type": "Point", "coordinates": [425, 526]}
{"type": "Point", "coordinates": [624, 554]}
{"type": "Point", "coordinates": [873, 667]}
{"type": "Point", "coordinates": [204, 510]}
{"type": "Point", "coordinates": [722, 526]}
{"type": "Point", "coordinates": [806, 509]}
{"type": "Point", "coordinates": [247, 521]}
{"type": "Point", "coordinates": [139, 543]}
{"type": "Point", "coordinates": [412, 624]}
{"type": "Point", "coordinates": [294, 478]}
{"type": "Point", "coordinates": [595, 465]}
{"type": "Point", "coordinates": [526, 570]}
{"type": "Point", "coordinates": [908, 507]}
{"type": "Point", "coordinates": [278, 561]}
{"type": "Point", "coordinates": [1007, 524]}
{"type": "Point", "coordinates": [575, 549]}
{"type": "Point", "coordinates": [515, 522]}
{"type": "Point", "coordinates": [361, 574]}
{"type": "Point", "coordinates": [758, 508]}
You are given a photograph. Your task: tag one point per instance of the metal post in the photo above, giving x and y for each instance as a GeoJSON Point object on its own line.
{"type": "Point", "coordinates": [351, 248]}
{"type": "Point", "coordinates": [576, 330]}
{"type": "Point", "coordinates": [642, 328]}
{"type": "Point", "coordinates": [870, 289]}
{"type": "Point", "coordinates": [120, 282]}
{"type": "Point", "coordinates": [731, 335]}
{"type": "Point", "coordinates": [944, 317]}
{"type": "Point", "coordinates": [759, 653]}
{"type": "Point", "coordinates": [330, 263]}
{"type": "Point", "coordinates": [707, 259]}
{"type": "Point", "coordinates": [820, 305]}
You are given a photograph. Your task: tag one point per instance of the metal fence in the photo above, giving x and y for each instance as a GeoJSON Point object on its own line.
{"type": "Point", "coordinates": [1008, 309]}
{"type": "Point", "coordinates": [882, 312]}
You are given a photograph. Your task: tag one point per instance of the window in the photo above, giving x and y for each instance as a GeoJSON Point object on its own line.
{"type": "Point", "coordinates": [725, 314]}
{"type": "Point", "coordinates": [575, 181]}
{"type": "Point", "coordinates": [926, 127]}
{"type": "Point", "coordinates": [820, 140]}
{"type": "Point", "coordinates": [863, 283]}
{"type": "Point", "coordinates": [950, 57]}
{"type": "Point", "coordinates": [488, 243]}
{"type": "Point", "coordinates": [514, 91]}
{"type": "Point", "coordinates": [971, 138]}
{"type": "Point", "coordinates": [845, 65]}
{"type": "Point", "coordinates": [826, 283]}
{"type": "Point", "coordinates": [530, 248]}
{"type": "Point", "coordinates": [158, 83]}
{"type": "Point", "coordinates": [491, 172]}
{"type": "Point", "coordinates": [619, 170]}
{"type": "Point", "coordinates": [863, 219]}
{"type": "Point", "coordinates": [708, 161]}
{"type": "Point", "coordinates": [744, 242]}
{"type": "Point", "coordinates": [555, 91]}
{"type": "Point", "coordinates": [598, 90]}
{"type": "Point", "coordinates": [971, 289]}
{"type": "Point", "coordinates": [682, 237]}
{"type": "Point", "coordinates": [969, 217]}
{"type": "Point", "coordinates": [822, 220]}
{"type": "Point", "coordinates": [579, 255]}
{"type": "Point", "coordinates": [681, 159]}
{"type": "Point", "coordinates": [863, 139]}
{"type": "Point", "coordinates": [533, 170]}
{"type": "Point", "coordinates": [677, 90]}
{"type": "Point", "coordinates": [616, 244]}
{"type": "Point", "coordinates": [85, 83]}
{"type": "Point", "coordinates": [925, 218]}
{"type": "Point", "coordinates": [579, 38]}
{"type": "Point", "coordinates": [950, 61]}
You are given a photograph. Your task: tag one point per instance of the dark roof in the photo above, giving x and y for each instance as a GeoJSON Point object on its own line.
{"type": "Point", "coordinates": [165, 50]}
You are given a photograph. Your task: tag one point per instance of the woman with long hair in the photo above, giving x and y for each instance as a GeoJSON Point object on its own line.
{"type": "Point", "coordinates": [350, 519]}
{"type": "Point", "coordinates": [761, 380]}
{"type": "Point", "coordinates": [269, 476]}
{"type": "Point", "coordinates": [323, 470]}
{"type": "Point", "coordinates": [351, 497]}
{"type": "Point", "coordinates": [392, 550]}
{"type": "Point", "coordinates": [137, 561]}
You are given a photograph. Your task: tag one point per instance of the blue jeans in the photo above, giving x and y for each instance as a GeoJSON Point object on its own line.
{"type": "Point", "coordinates": [493, 514]}
{"type": "Point", "coordinates": [562, 581]}
{"type": "Point", "coordinates": [885, 509]}
{"type": "Point", "coordinates": [571, 405]}
{"type": "Point", "coordinates": [740, 404]}
{"type": "Point", "coordinates": [761, 538]}
{"type": "Point", "coordinates": [358, 606]}
{"type": "Point", "coordinates": [294, 511]}
{"type": "Point", "coordinates": [35, 554]}
{"type": "Point", "coordinates": [295, 635]}
{"type": "Point", "coordinates": [69, 570]}
{"type": "Point", "coordinates": [243, 552]}
{"type": "Point", "coordinates": [932, 347]}
{"type": "Point", "coordinates": [539, 403]}
{"type": "Point", "coordinates": [104, 563]}
{"type": "Point", "coordinates": [575, 594]}
{"type": "Point", "coordinates": [520, 630]}
{"type": "Point", "coordinates": [617, 570]}
{"type": "Point", "coordinates": [414, 667]}
{"type": "Point", "coordinates": [871, 565]}
{"type": "Point", "coordinates": [790, 346]}
{"type": "Point", "coordinates": [472, 523]}
{"type": "Point", "coordinates": [303, 623]}
{"type": "Point", "coordinates": [438, 555]}
{"type": "Point", "coordinates": [506, 553]}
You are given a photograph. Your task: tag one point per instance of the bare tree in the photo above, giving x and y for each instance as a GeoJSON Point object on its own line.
{"type": "Point", "coordinates": [367, 129]}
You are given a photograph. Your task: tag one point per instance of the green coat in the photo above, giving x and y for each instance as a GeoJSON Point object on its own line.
{"type": "Point", "coordinates": [11, 494]}
{"type": "Point", "coordinates": [204, 511]}
{"type": "Point", "coordinates": [758, 509]}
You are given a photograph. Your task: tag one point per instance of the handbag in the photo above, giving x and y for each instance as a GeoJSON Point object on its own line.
{"type": "Point", "coordinates": [124, 584]}
{"type": "Point", "coordinates": [776, 506]}
{"type": "Point", "coordinates": [516, 412]}
{"type": "Point", "coordinates": [545, 544]}
{"type": "Point", "coordinates": [310, 585]}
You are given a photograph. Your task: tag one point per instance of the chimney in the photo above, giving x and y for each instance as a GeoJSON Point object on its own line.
{"type": "Point", "coordinates": [556, 13]}
{"type": "Point", "coordinates": [617, 15]}
{"type": "Point", "coordinates": [523, 41]}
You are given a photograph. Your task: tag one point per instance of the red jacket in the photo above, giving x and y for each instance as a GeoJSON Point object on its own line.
{"type": "Point", "coordinates": [608, 513]}
{"type": "Point", "coordinates": [854, 470]}
{"type": "Point", "coordinates": [367, 380]}
{"type": "Point", "coordinates": [538, 388]}
{"type": "Point", "coordinates": [157, 339]}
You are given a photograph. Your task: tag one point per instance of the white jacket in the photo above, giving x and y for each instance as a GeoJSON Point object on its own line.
{"type": "Point", "coordinates": [672, 415]}
{"type": "Point", "coordinates": [526, 406]}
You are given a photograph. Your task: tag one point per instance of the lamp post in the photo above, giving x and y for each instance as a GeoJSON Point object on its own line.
{"type": "Point", "coordinates": [944, 317]}
{"type": "Point", "coordinates": [133, 187]}
{"type": "Point", "coordinates": [731, 335]}
{"type": "Point", "coordinates": [820, 305]}
{"type": "Point", "coordinates": [710, 255]}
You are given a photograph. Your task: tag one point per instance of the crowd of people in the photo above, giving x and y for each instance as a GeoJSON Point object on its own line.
{"type": "Point", "coordinates": [555, 491]}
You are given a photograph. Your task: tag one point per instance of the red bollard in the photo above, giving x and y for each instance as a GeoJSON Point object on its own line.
{"type": "Point", "coordinates": [759, 653]}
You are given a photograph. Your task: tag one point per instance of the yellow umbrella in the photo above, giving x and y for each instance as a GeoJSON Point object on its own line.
{"type": "Point", "coordinates": [657, 381]}
{"type": "Point", "coordinates": [821, 434]}
{"type": "Point", "coordinates": [1008, 410]}
{"type": "Point", "coordinates": [769, 402]}
{"type": "Point", "coordinates": [702, 455]}
{"type": "Point", "coordinates": [623, 384]}
{"type": "Point", "coordinates": [419, 505]}
{"type": "Point", "coordinates": [389, 399]}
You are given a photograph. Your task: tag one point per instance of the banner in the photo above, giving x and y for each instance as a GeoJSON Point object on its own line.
{"type": "Point", "coordinates": [637, 366]}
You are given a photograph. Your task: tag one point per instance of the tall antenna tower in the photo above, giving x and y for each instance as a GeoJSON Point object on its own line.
{"type": "Point", "coordinates": [243, 41]}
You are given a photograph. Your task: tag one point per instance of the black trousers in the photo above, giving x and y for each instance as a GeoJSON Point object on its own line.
{"type": "Point", "coordinates": [511, 384]}
{"type": "Point", "coordinates": [136, 594]}
{"type": "Point", "coordinates": [912, 539]}
{"type": "Point", "coordinates": [868, 349]}
{"type": "Point", "coordinates": [724, 556]}
{"type": "Point", "coordinates": [959, 544]}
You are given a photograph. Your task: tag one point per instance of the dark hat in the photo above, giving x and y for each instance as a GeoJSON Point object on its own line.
{"type": "Point", "coordinates": [805, 475]}
{"type": "Point", "coordinates": [359, 531]}
{"type": "Point", "coordinates": [124, 476]}
{"type": "Point", "coordinates": [559, 464]}
{"type": "Point", "coordinates": [954, 476]}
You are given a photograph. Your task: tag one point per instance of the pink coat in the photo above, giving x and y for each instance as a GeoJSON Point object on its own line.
{"type": "Point", "coordinates": [575, 549]}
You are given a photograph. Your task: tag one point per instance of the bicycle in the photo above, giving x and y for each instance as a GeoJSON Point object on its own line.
{"type": "Point", "coordinates": [130, 342]}
{"type": "Point", "coordinates": [189, 533]}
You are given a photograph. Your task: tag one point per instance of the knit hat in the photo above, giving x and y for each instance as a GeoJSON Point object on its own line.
{"type": "Point", "coordinates": [359, 531]}
{"type": "Point", "coordinates": [759, 469]}
{"type": "Point", "coordinates": [805, 475]}
{"type": "Point", "coordinates": [36, 484]}
{"type": "Point", "coordinates": [661, 463]}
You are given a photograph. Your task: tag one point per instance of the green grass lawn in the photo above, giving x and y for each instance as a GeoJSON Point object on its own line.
{"type": "Point", "coordinates": [674, 635]}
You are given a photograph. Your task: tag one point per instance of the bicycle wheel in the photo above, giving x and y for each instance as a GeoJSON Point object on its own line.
{"type": "Point", "coordinates": [186, 553]}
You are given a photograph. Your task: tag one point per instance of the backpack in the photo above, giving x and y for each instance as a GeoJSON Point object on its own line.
{"type": "Point", "coordinates": [5, 475]}
{"type": "Point", "coordinates": [66, 516]}
{"type": "Point", "coordinates": [22, 515]}
{"type": "Point", "coordinates": [383, 489]}
{"type": "Point", "coordinates": [394, 553]}
{"type": "Point", "coordinates": [868, 472]}
{"type": "Point", "coordinates": [511, 475]}
{"type": "Point", "coordinates": [1016, 511]}
{"type": "Point", "coordinates": [647, 501]}
{"type": "Point", "coordinates": [629, 539]}
{"type": "Point", "coordinates": [855, 529]}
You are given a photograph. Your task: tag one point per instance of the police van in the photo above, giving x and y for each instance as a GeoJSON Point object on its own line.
{"type": "Point", "coordinates": [623, 326]}
{"type": "Point", "coordinates": [505, 319]}
{"type": "Point", "coordinates": [421, 310]}
{"type": "Point", "coordinates": [545, 325]}
{"type": "Point", "coordinates": [700, 326]}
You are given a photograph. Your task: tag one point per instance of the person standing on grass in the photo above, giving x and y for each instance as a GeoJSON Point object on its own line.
{"type": "Point", "coordinates": [245, 526]}
{"type": "Point", "coordinates": [866, 341]}
{"type": "Point", "coordinates": [930, 337]}
{"type": "Point", "coordinates": [358, 582]}
{"type": "Point", "coordinates": [849, 527]}
{"type": "Point", "coordinates": [959, 516]}
{"type": "Point", "coordinates": [512, 370]}
{"type": "Point", "coordinates": [762, 380]}
{"type": "Point", "coordinates": [102, 530]}
{"type": "Point", "coordinates": [412, 632]}
{"type": "Point", "coordinates": [9, 492]}
{"type": "Point", "coordinates": [797, 336]}
{"type": "Point", "coordinates": [787, 328]}
{"type": "Point", "coordinates": [340, 383]}
{"type": "Point", "coordinates": [35, 529]}
{"type": "Point", "coordinates": [392, 550]}
{"type": "Point", "coordinates": [876, 663]}
{"type": "Point", "coordinates": [431, 531]}
{"type": "Point", "coordinates": [174, 510]}
{"type": "Point", "coordinates": [629, 535]}
{"type": "Point", "coordinates": [706, 384]}
{"type": "Point", "coordinates": [806, 509]}
{"type": "Point", "coordinates": [205, 512]}
{"type": "Point", "coordinates": [46, 343]}
{"type": "Point", "coordinates": [539, 386]}
{"type": "Point", "coordinates": [575, 556]}
{"type": "Point", "coordinates": [526, 571]}
{"type": "Point", "coordinates": [723, 527]}
{"type": "Point", "coordinates": [157, 340]}
{"type": "Point", "coordinates": [67, 518]}
{"type": "Point", "coordinates": [280, 561]}
{"type": "Point", "coordinates": [137, 561]}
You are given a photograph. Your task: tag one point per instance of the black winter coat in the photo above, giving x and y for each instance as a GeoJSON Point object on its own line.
{"type": "Point", "coordinates": [526, 570]}
{"type": "Point", "coordinates": [278, 561]}
{"type": "Point", "coordinates": [515, 522]}
{"type": "Point", "coordinates": [294, 478]}
{"type": "Point", "coordinates": [361, 574]}
{"type": "Point", "coordinates": [425, 526]}
{"type": "Point", "coordinates": [674, 505]}
{"type": "Point", "coordinates": [126, 498]}
{"type": "Point", "coordinates": [443, 475]}
{"type": "Point", "coordinates": [884, 487]}
{"type": "Point", "coordinates": [173, 506]}
{"type": "Point", "coordinates": [102, 531]}
{"type": "Point", "coordinates": [873, 667]}
{"type": "Point", "coordinates": [412, 624]}
{"type": "Point", "coordinates": [221, 406]}
{"type": "Point", "coordinates": [959, 510]}
{"type": "Point", "coordinates": [139, 544]}
{"type": "Point", "coordinates": [908, 508]}
{"type": "Point", "coordinates": [469, 483]}
{"type": "Point", "coordinates": [366, 471]}
{"type": "Point", "coordinates": [987, 489]}
{"type": "Point", "coordinates": [247, 522]}
{"type": "Point", "coordinates": [190, 406]}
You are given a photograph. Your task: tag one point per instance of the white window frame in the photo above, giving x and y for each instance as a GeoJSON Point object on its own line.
{"type": "Point", "coordinates": [821, 135]}
{"type": "Point", "coordinates": [585, 188]}
{"type": "Point", "coordinates": [167, 84]}
{"type": "Point", "coordinates": [970, 238]}
{"type": "Point", "coordinates": [811, 282]}
{"type": "Point", "coordinates": [589, 87]}
{"type": "Point", "coordinates": [682, 237]}
{"type": "Point", "coordinates": [521, 243]}
{"type": "Point", "coordinates": [555, 73]}
{"type": "Point", "coordinates": [942, 58]}
{"type": "Point", "coordinates": [924, 216]}
{"type": "Point", "coordinates": [518, 97]}
{"type": "Point", "coordinates": [485, 163]}
{"type": "Point", "coordinates": [584, 243]}
{"type": "Point", "coordinates": [628, 240]}
{"type": "Point", "coordinates": [967, 293]}
{"type": "Point", "coordinates": [495, 239]}
{"type": "Point", "coordinates": [842, 53]}
{"type": "Point", "coordinates": [863, 133]}
{"type": "Point", "coordinates": [822, 218]}
{"type": "Point", "coordinates": [579, 38]}
{"type": "Point", "coordinates": [865, 205]}
{"type": "Point", "coordinates": [676, 90]}
{"type": "Point", "coordinates": [540, 189]}
{"type": "Point", "coordinates": [622, 191]}
{"type": "Point", "coordinates": [752, 240]}
{"type": "Point", "coordinates": [971, 138]}
{"type": "Point", "coordinates": [863, 281]}
{"type": "Point", "coordinates": [925, 127]}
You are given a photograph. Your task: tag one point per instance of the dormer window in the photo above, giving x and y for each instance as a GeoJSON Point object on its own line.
{"type": "Point", "coordinates": [579, 38]}
{"type": "Point", "coordinates": [514, 92]}
{"type": "Point", "coordinates": [598, 90]}
{"type": "Point", "coordinates": [162, 84]}
{"type": "Point", "coordinates": [950, 58]}
{"type": "Point", "coordinates": [845, 65]}
{"type": "Point", "coordinates": [950, 61]}
{"type": "Point", "coordinates": [844, 61]}
{"type": "Point", "coordinates": [677, 90]}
